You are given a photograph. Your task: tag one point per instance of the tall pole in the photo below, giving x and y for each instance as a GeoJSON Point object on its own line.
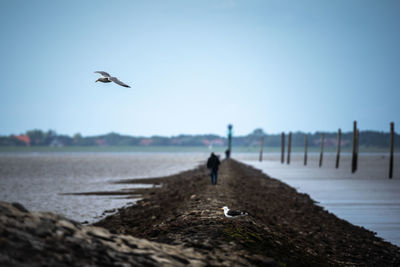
{"type": "Point", "coordinates": [283, 148]}
{"type": "Point", "coordinates": [305, 149]}
{"type": "Point", "coordinates": [228, 155]}
{"type": "Point", "coordinates": [289, 147]}
{"type": "Point", "coordinates": [322, 149]}
{"type": "Point", "coordinates": [261, 148]}
{"type": "Point", "coordinates": [391, 150]}
{"type": "Point", "coordinates": [355, 148]}
{"type": "Point", "coordinates": [339, 141]}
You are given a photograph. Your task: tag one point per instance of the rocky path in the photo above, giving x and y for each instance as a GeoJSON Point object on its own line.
{"type": "Point", "coordinates": [283, 228]}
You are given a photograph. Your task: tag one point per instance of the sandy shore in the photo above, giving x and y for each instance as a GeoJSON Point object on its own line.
{"type": "Point", "coordinates": [284, 227]}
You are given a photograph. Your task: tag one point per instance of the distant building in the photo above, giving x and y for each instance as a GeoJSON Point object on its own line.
{"type": "Point", "coordinates": [206, 142]}
{"type": "Point", "coordinates": [56, 143]}
{"type": "Point", "coordinates": [101, 142]}
{"type": "Point", "coordinates": [218, 142]}
{"type": "Point", "coordinates": [176, 141]}
{"type": "Point", "coordinates": [23, 138]}
{"type": "Point", "coordinates": [146, 141]}
{"type": "Point", "coordinates": [214, 142]}
{"type": "Point", "coordinates": [330, 142]}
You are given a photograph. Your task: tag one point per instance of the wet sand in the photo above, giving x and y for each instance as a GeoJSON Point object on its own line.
{"type": "Point", "coordinates": [283, 225]}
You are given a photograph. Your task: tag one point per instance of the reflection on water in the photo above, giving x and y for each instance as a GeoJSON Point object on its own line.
{"type": "Point", "coordinates": [367, 198]}
{"type": "Point", "coordinates": [37, 179]}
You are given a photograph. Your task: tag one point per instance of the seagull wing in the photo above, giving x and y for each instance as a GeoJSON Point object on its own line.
{"type": "Point", "coordinates": [114, 79]}
{"type": "Point", "coordinates": [105, 74]}
{"type": "Point", "coordinates": [236, 213]}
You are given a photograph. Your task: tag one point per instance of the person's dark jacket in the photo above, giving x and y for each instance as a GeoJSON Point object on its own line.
{"type": "Point", "coordinates": [213, 163]}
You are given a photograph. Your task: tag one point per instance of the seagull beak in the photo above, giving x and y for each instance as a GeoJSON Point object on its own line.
{"type": "Point", "coordinates": [221, 208]}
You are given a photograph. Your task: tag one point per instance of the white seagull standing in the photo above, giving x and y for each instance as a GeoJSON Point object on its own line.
{"type": "Point", "coordinates": [233, 213]}
{"type": "Point", "coordinates": [107, 79]}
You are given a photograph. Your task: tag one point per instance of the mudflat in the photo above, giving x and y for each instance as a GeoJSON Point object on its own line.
{"type": "Point", "coordinates": [283, 227]}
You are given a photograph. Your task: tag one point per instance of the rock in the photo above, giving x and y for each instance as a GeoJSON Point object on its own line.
{"type": "Point", "coordinates": [19, 207]}
{"type": "Point", "coordinates": [46, 239]}
{"type": "Point", "coordinates": [110, 211]}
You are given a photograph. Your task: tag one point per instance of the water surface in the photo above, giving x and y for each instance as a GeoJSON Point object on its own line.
{"type": "Point", "coordinates": [366, 198]}
{"type": "Point", "coordinates": [36, 180]}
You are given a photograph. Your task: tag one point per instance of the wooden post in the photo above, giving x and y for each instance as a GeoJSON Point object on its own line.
{"type": "Point", "coordinates": [358, 145]}
{"type": "Point", "coordinates": [391, 150]}
{"type": "Point", "coordinates": [354, 159]}
{"type": "Point", "coordinates": [339, 141]}
{"type": "Point", "coordinates": [261, 148]}
{"type": "Point", "coordinates": [283, 148]}
{"type": "Point", "coordinates": [305, 149]}
{"type": "Point", "coordinates": [322, 149]}
{"type": "Point", "coordinates": [289, 148]}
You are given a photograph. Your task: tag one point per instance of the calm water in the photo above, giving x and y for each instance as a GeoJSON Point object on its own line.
{"type": "Point", "coordinates": [37, 179]}
{"type": "Point", "coordinates": [367, 198]}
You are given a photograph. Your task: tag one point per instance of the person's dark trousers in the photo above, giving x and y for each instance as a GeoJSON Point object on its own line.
{"type": "Point", "coordinates": [214, 177]}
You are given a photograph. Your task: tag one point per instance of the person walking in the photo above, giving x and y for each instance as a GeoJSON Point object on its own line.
{"type": "Point", "coordinates": [227, 153]}
{"type": "Point", "coordinates": [213, 165]}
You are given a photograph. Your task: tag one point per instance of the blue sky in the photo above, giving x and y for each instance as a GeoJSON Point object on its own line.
{"type": "Point", "coordinates": [196, 66]}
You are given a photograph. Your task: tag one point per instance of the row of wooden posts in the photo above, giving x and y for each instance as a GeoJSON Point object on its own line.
{"type": "Point", "coordinates": [354, 159]}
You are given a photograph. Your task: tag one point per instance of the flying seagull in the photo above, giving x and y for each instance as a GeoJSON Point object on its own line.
{"type": "Point", "coordinates": [233, 213]}
{"type": "Point", "coordinates": [107, 79]}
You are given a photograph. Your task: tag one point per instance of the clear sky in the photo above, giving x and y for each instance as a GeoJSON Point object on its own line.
{"type": "Point", "coordinates": [195, 66]}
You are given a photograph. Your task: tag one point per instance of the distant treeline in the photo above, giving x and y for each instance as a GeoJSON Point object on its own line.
{"type": "Point", "coordinates": [51, 138]}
